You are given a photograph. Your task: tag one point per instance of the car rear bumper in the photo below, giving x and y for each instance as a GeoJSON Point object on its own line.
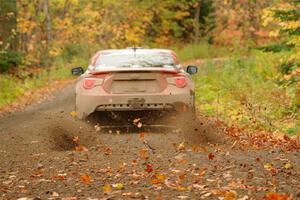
{"type": "Point", "coordinates": [88, 103]}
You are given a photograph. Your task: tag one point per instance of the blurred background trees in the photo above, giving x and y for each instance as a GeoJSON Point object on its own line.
{"type": "Point", "coordinates": [8, 35]}
{"type": "Point", "coordinates": [50, 28]}
{"type": "Point", "coordinates": [41, 30]}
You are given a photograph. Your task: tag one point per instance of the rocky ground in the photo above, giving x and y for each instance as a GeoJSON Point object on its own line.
{"type": "Point", "coordinates": [47, 154]}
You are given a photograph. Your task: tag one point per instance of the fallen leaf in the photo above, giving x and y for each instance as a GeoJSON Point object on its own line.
{"type": "Point", "coordinates": [210, 156]}
{"type": "Point", "coordinates": [55, 194]}
{"type": "Point", "coordinates": [142, 135]}
{"type": "Point", "coordinates": [268, 166]}
{"type": "Point", "coordinates": [134, 162]}
{"type": "Point", "coordinates": [69, 198]}
{"type": "Point", "coordinates": [97, 127]}
{"type": "Point", "coordinates": [199, 187]}
{"type": "Point", "coordinates": [202, 172]}
{"type": "Point", "coordinates": [62, 176]}
{"type": "Point", "coordinates": [73, 114]}
{"type": "Point", "coordinates": [158, 178]}
{"type": "Point", "coordinates": [182, 197]}
{"type": "Point", "coordinates": [181, 146]}
{"type": "Point", "coordinates": [182, 176]}
{"type": "Point", "coordinates": [106, 188]}
{"type": "Point", "coordinates": [230, 195]}
{"type": "Point", "coordinates": [80, 148]}
{"type": "Point", "coordinates": [85, 178]}
{"type": "Point", "coordinates": [136, 120]}
{"type": "Point", "coordinates": [75, 139]}
{"type": "Point", "coordinates": [144, 153]}
{"type": "Point", "coordinates": [118, 186]}
{"type": "Point", "coordinates": [127, 194]}
{"type": "Point", "coordinates": [288, 166]}
{"type": "Point", "coordinates": [108, 151]}
{"type": "Point", "coordinates": [139, 125]}
{"type": "Point", "coordinates": [159, 197]}
{"type": "Point", "coordinates": [276, 196]}
{"type": "Point", "coordinates": [244, 198]}
{"type": "Point", "coordinates": [181, 188]}
{"type": "Point", "coordinates": [149, 168]}
{"type": "Point", "coordinates": [206, 195]}
{"type": "Point", "coordinates": [161, 177]}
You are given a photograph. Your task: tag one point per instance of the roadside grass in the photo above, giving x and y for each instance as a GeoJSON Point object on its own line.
{"type": "Point", "coordinates": [203, 50]}
{"type": "Point", "coordinates": [244, 92]}
{"type": "Point", "coordinates": [13, 88]}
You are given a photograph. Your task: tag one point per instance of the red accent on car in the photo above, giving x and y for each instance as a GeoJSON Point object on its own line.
{"type": "Point", "coordinates": [180, 82]}
{"type": "Point", "coordinates": [88, 83]}
{"type": "Point", "coordinates": [96, 74]}
{"type": "Point", "coordinates": [94, 59]}
{"type": "Point", "coordinates": [174, 56]}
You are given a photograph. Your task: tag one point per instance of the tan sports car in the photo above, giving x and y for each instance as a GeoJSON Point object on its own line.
{"type": "Point", "coordinates": [134, 79]}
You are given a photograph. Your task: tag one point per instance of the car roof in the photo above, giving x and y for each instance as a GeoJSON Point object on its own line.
{"type": "Point", "coordinates": [136, 50]}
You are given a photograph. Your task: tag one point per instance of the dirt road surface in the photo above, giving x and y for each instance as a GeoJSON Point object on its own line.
{"type": "Point", "coordinates": [47, 154]}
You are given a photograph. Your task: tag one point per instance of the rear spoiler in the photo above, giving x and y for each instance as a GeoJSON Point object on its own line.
{"type": "Point", "coordinates": [146, 69]}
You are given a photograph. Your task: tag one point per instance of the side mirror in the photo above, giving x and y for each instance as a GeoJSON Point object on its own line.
{"type": "Point", "coordinates": [77, 71]}
{"type": "Point", "coordinates": [191, 69]}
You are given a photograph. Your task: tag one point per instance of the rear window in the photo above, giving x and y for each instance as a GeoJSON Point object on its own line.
{"type": "Point", "coordinates": [135, 59]}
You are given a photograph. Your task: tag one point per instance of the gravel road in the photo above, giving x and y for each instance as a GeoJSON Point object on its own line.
{"type": "Point", "coordinates": [47, 154]}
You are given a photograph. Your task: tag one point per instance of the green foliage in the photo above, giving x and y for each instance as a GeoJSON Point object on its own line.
{"type": "Point", "coordinates": [13, 88]}
{"type": "Point", "coordinates": [9, 59]}
{"type": "Point", "coordinates": [276, 47]}
{"type": "Point", "coordinates": [9, 89]}
{"type": "Point", "coordinates": [200, 51]}
{"type": "Point", "coordinates": [283, 17]}
{"type": "Point", "coordinates": [244, 92]}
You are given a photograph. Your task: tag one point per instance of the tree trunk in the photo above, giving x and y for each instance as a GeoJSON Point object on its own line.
{"type": "Point", "coordinates": [197, 22]}
{"type": "Point", "coordinates": [8, 24]}
{"type": "Point", "coordinates": [47, 22]}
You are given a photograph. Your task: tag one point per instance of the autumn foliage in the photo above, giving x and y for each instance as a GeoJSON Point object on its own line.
{"type": "Point", "coordinates": [47, 29]}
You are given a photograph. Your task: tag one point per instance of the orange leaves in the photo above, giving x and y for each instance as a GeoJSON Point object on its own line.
{"type": "Point", "coordinates": [143, 153]}
{"type": "Point", "coordinates": [85, 178]}
{"type": "Point", "coordinates": [181, 188]}
{"type": "Point", "coordinates": [75, 139]}
{"type": "Point", "coordinates": [277, 196]}
{"type": "Point", "coordinates": [230, 195]}
{"type": "Point", "coordinates": [142, 135]}
{"type": "Point", "coordinates": [149, 168]}
{"type": "Point", "coordinates": [106, 189]}
{"type": "Point", "coordinates": [227, 194]}
{"type": "Point", "coordinates": [80, 148]}
{"type": "Point", "coordinates": [211, 156]}
{"type": "Point", "coordinates": [158, 178]}
{"type": "Point", "coordinates": [107, 151]}
{"type": "Point", "coordinates": [202, 173]}
{"type": "Point", "coordinates": [269, 167]}
{"type": "Point", "coordinates": [181, 146]}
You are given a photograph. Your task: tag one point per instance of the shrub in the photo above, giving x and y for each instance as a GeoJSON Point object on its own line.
{"type": "Point", "coordinates": [9, 59]}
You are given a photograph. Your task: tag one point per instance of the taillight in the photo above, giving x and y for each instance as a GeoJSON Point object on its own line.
{"type": "Point", "coordinates": [180, 82]}
{"type": "Point", "coordinates": [88, 83]}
